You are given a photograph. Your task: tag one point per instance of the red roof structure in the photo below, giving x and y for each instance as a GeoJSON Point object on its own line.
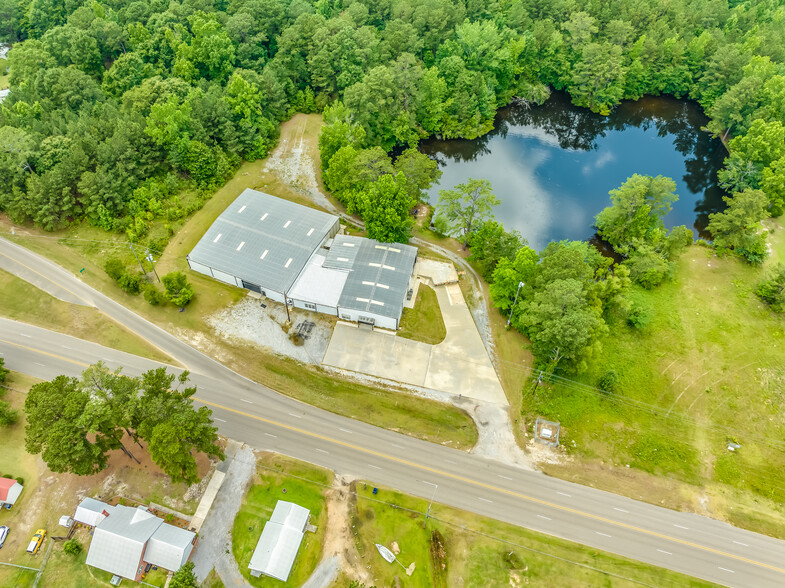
{"type": "Point", "coordinates": [10, 490]}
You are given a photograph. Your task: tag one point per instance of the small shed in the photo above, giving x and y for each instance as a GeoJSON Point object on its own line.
{"type": "Point", "coordinates": [280, 541]}
{"type": "Point", "coordinates": [90, 512]}
{"type": "Point", "coordinates": [10, 490]}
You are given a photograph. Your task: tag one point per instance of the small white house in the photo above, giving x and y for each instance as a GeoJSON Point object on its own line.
{"type": "Point", "coordinates": [280, 541]}
{"type": "Point", "coordinates": [10, 490]}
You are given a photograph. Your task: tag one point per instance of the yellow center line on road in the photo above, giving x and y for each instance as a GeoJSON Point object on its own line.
{"type": "Point", "coordinates": [46, 278]}
{"type": "Point", "coordinates": [492, 487]}
{"type": "Point", "coordinates": [448, 474]}
{"type": "Point", "coordinates": [53, 355]}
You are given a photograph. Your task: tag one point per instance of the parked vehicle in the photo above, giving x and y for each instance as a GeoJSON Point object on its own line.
{"type": "Point", "coordinates": [35, 542]}
{"type": "Point", "coordinates": [3, 534]}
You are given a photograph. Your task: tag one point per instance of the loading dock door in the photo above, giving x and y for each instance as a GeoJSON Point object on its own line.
{"type": "Point", "coordinates": [252, 287]}
{"type": "Point", "coordinates": [364, 322]}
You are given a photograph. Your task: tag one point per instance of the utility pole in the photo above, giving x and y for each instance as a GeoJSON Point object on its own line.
{"type": "Point", "coordinates": [286, 304]}
{"type": "Point", "coordinates": [152, 265]}
{"type": "Point", "coordinates": [428, 512]}
{"type": "Point", "coordinates": [144, 271]}
{"type": "Point", "coordinates": [514, 302]}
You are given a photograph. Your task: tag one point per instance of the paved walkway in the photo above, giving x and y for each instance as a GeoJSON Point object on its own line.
{"type": "Point", "coordinates": [458, 365]}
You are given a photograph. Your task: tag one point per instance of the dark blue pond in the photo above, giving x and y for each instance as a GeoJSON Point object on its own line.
{"type": "Point", "coordinates": [553, 165]}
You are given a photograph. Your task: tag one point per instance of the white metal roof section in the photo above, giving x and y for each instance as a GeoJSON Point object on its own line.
{"type": "Point", "coordinates": [119, 540]}
{"type": "Point", "coordinates": [277, 547]}
{"type": "Point", "coordinates": [379, 276]}
{"type": "Point", "coordinates": [291, 515]}
{"type": "Point", "coordinates": [318, 284]}
{"type": "Point", "coordinates": [90, 511]}
{"type": "Point", "coordinates": [169, 547]}
{"type": "Point", "coordinates": [263, 239]}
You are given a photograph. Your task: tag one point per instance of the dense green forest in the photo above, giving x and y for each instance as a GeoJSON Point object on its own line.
{"type": "Point", "coordinates": [116, 106]}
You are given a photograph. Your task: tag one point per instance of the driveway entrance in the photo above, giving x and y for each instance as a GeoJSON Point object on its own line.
{"type": "Point", "coordinates": [458, 365]}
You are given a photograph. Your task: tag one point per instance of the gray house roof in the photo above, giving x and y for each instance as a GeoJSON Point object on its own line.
{"type": "Point", "coordinates": [169, 547]}
{"type": "Point", "coordinates": [379, 276]}
{"type": "Point", "coordinates": [280, 541]}
{"type": "Point", "coordinates": [119, 540]}
{"type": "Point", "coordinates": [263, 239]}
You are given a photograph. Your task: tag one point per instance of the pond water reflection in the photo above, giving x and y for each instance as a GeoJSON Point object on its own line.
{"type": "Point", "coordinates": [553, 165]}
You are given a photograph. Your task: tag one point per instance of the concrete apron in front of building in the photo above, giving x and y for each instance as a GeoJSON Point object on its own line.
{"type": "Point", "coordinates": [458, 365]}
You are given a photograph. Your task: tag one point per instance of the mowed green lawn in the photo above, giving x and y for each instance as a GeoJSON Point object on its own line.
{"type": "Point", "coordinates": [301, 484]}
{"type": "Point", "coordinates": [458, 548]}
{"type": "Point", "coordinates": [709, 369]}
{"type": "Point", "coordinates": [424, 322]}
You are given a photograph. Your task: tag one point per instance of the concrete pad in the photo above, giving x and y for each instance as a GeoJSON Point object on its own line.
{"type": "Point", "coordinates": [378, 354]}
{"type": "Point", "coordinates": [439, 272]}
{"type": "Point", "coordinates": [458, 365]}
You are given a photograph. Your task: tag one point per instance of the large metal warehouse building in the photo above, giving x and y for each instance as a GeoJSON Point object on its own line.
{"type": "Point", "coordinates": [293, 253]}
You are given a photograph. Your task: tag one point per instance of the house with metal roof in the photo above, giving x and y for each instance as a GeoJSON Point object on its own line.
{"type": "Point", "coordinates": [10, 490]}
{"type": "Point", "coordinates": [262, 243]}
{"type": "Point", "coordinates": [280, 541]}
{"type": "Point", "coordinates": [91, 511]}
{"type": "Point", "coordinates": [129, 538]}
{"type": "Point", "coordinates": [292, 253]}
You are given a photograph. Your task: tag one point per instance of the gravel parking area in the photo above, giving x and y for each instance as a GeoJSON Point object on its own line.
{"type": "Point", "coordinates": [264, 325]}
{"type": "Point", "coordinates": [214, 549]}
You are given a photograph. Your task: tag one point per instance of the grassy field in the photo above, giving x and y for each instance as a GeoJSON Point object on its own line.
{"type": "Point", "coordinates": [424, 322]}
{"type": "Point", "coordinates": [462, 549]}
{"type": "Point", "coordinates": [17, 577]}
{"type": "Point", "coordinates": [212, 581]}
{"type": "Point", "coordinates": [24, 302]}
{"type": "Point", "coordinates": [392, 409]}
{"type": "Point", "coordinates": [268, 488]}
{"type": "Point", "coordinates": [709, 369]}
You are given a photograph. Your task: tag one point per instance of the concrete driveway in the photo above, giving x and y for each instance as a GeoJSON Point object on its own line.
{"type": "Point", "coordinates": [457, 365]}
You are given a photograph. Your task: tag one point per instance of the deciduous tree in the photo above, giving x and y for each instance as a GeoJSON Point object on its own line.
{"type": "Point", "coordinates": [467, 206]}
{"type": "Point", "coordinates": [178, 291]}
{"type": "Point", "coordinates": [738, 227]}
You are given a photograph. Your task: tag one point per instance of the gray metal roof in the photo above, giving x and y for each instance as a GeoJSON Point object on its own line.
{"type": "Point", "coordinates": [90, 511]}
{"type": "Point", "coordinates": [119, 540]}
{"type": "Point", "coordinates": [379, 276]}
{"type": "Point", "coordinates": [263, 239]}
{"type": "Point", "coordinates": [277, 547]}
{"type": "Point", "coordinates": [169, 547]}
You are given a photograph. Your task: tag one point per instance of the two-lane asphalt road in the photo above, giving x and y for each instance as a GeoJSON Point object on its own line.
{"type": "Point", "coordinates": [242, 410]}
{"type": "Point", "coordinates": [252, 413]}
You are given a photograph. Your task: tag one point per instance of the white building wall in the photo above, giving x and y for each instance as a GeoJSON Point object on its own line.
{"type": "Point", "coordinates": [198, 267]}
{"type": "Point", "coordinates": [383, 322]}
{"type": "Point", "coordinates": [226, 278]}
{"type": "Point", "coordinates": [273, 295]}
{"type": "Point", "coordinates": [319, 307]}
